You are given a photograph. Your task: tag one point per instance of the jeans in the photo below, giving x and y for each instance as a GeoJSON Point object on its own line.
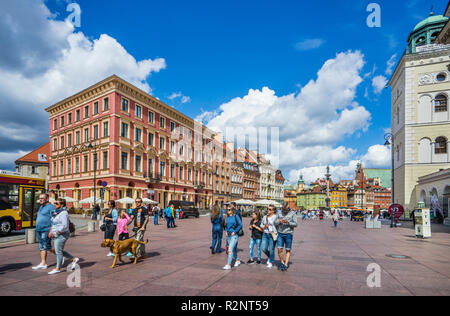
{"type": "Point", "coordinates": [268, 246]}
{"type": "Point", "coordinates": [256, 242]}
{"type": "Point", "coordinates": [155, 218]}
{"type": "Point", "coordinates": [44, 243]}
{"type": "Point", "coordinates": [168, 221]}
{"type": "Point", "coordinates": [232, 248]}
{"type": "Point", "coordinates": [217, 235]}
{"type": "Point", "coordinates": [335, 223]}
{"type": "Point", "coordinates": [59, 243]}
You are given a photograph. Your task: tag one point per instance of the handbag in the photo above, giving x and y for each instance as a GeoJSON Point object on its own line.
{"type": "Point", "coordinates": [71, 227]}
{"type": "Point", "coordinates": [103, 227]}
{"type": "Point", "coordinates": [274, 236]}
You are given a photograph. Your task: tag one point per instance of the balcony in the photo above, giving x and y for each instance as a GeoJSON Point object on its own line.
{"type": "Point", "coordinates": [198, 185]}
{"type": "Point", "coordinates": [152, 177]}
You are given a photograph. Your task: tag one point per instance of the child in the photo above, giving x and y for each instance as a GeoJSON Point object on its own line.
{"type": "Point", "coordinates": [257, 233]}
{"type": "Point", "coordinates": [122, 225]}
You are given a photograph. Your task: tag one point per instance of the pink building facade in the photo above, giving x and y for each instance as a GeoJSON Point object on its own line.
{"type": "Point", "coordinates": [143, 147]}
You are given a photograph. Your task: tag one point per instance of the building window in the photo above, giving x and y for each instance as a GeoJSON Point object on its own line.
{"type": "Point", "coordinates": [138, 164]}
{"type": "Point", "coordinates": [162, 168]}
{"type": "Point", "coordinates": [86, 111]}
{"type": "Point", "coordinates": [105, 104]}
{"type": "Point", "coordinates": [96, 132]}
{"type": "Point", "coordinates": [124, 130]}
{"type": "Point", "coordinates": [77, 165]}
{"type": "Point", "coordinates": [421, 41]}
{"type": "Point", "coordinates": [441, 145]}
{"type": "Point", "coordinates": [54, 169]}
{"type": "Point", "coordinates": [150, 117]}
{"type": "Point", "coordinates": [105, 129]}
{"type": "Point", "coordinates": [85, 163]}
{"type": "Point", "coordinates": [124, 161]}
{"type": "Point", "coordinates": [69, 140]}
{"type": "Point", "coordinates": [441, 77]}
{"type": "Point", "coordinates": [162, 143]}
{"type": "Point", "coordinates": [69, 166]}
{"type": "Point", "coordinates": [78, 115]}
{"type": "Point", "coordinates": [55, 144]}
{"type": "Point", "coordinates": [150, 167]}
{"type": "Point", "coordinates": [440, 103]}
{"type": "Point", "coordinates": [150, 139]}
{"type": "Point", "coordinates": [138, 134]}
{"type": "Point", "coordinates": [95, 108]}
{"type": "Point", "coordinates": [55, 124]}
{"type": "Point", "coordinates": [61, 168]}
{"type": "Point", "coordinates": [161, 122]}
{"type": "Point", "coordinates": [138, 111]}
{"type": "Point", "coordinates": [77, 138]}
{"type": "Point", "coordinates": [62, 142]}
{"type": "Point", "coordinates": [181, 173]}
{"type": "Point", "coordinates": [86, 135]}
{"type": "Point", "coordinates": [172, 147]}
{"type": "Point", "coordinates": [62, 121]}
{"type": "Point", "coordinates": [172, 126]}
{"type": "Point", "coordinates": [125, 105]}
{"type": "Point", "coordinates": [172, 171]}
{"type": "Point", "coordinates": [105, 160]}
{"type": "Point", "coordinates": [69, 118]}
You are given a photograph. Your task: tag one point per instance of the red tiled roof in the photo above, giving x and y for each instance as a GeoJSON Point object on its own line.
{"type": "Point", "coordinates": [34, 155]}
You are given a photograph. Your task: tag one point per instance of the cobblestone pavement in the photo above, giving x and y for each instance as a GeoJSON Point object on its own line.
{"type": "Point", "coordinates": [325, 261]}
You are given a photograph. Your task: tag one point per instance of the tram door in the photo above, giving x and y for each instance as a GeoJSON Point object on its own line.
{"type": "Point", "coordinates": [30, 206]}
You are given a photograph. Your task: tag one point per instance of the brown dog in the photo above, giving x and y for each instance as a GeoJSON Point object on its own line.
{"type": "Point", "coordinates": [120, 247]}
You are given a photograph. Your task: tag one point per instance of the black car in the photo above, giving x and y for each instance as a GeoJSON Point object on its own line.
{"type": "Point", "coordinates": [357, 216]}
{"type": "Point", "coordinates": [188, 208]}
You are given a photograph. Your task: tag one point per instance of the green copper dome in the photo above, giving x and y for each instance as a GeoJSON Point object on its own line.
{"type": "Point", "coordinates": [433, 19]}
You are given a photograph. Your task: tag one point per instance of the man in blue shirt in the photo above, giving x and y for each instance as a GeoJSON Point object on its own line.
{"type": "Point", "coordinates": [43, 226]}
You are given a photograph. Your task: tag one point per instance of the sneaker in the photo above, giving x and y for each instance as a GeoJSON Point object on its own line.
{"type": "Point", "coordinates": [129, 254]}
{"type": "Point", "coordinates": [269, 265]}
{"type": "Point", "coordinates": [237, 263]}
{"type": "Point", "coordinates": [54, 271]}
{"type": "Point", "coordinates": [250, 262]}
{"type": "Point", "coordinates": [40, 267]}
{"type": "Point", "coordinates": [258, 261]}
{"type": "Point", "coordinates": [227, 267]}
{"type": "Point", "coordinates": [110, 254]}
{"type": "Point", "coordinates": [282, 267]}
{"type": "Point", "coordinates": [74, 263]}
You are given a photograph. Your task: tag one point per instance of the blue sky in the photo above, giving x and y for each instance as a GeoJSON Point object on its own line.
{"type": "Point", "coordinates": [216, 51]}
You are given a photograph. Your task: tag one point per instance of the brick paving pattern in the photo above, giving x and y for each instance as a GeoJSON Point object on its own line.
{"type": "Point", "coordinates": [325, 261]}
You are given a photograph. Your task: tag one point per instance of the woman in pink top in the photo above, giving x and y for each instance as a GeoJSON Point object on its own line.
{"type": "Point", "coordinates": [122, 225]}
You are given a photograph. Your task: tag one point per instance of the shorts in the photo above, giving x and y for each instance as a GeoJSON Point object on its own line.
{"type": "Point", "coordinates": [44, 243]}
{"type": "Point", "coordinates": [284, 240]}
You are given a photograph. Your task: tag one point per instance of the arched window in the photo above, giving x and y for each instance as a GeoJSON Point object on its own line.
{"type": "Point", "coordinates": [421, 41]}
{"type": "Point", "coordinates": [441, 145]}
{"type": "Point", "coordinates": [440, 103]}
{"type": "Point", "coordinates": [434, 36]}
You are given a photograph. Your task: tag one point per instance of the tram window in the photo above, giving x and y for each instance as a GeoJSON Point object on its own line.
{"type": "Point", "coordinates": [9, 196]}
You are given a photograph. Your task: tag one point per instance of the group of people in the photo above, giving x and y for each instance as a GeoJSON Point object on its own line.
{"type": "Point", "coordinates": [270, 231]}
{"type": "Point", "coordinates": [312, 215]}
{"type": "Point", "coordinates": [53, 225]}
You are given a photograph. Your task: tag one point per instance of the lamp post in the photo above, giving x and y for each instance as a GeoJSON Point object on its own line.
{"type": "Point", "coordinates": [390, 142]}
{"type": "Point", "coordinates": [328, 200]}
{"type": "Point", "coordinates": [94, 147]}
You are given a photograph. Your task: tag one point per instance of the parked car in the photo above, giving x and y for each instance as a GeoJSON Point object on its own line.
{"type": "Point", "coordinates": [357, 216]}
{"type": "Point", "coordinates": [188, 208]}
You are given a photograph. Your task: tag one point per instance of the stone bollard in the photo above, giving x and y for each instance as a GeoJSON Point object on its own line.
{"type": "Point", "coordinates": [30, 236]}
{"type": "Point", "coordinates": [91, 226]}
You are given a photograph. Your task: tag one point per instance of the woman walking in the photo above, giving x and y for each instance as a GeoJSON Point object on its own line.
{"type": "Point", "coordinates": [110, 221]}
{"type": "Point", "coordinates": [217, 230]}
{"type": "Point", "coordinates": [60, 233]}
{"type": "Point", "coordinates": [335, 218]}
{"type": "Point", "coordinates": [233, 225]}
{"type": "Point", "coordinates": [256, 239]}
{"type": "Point", "coordinates": [270, 235]}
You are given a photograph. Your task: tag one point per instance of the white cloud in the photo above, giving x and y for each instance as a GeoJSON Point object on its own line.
{"type": "Point", "coordinates": [391, 64]}
{"type": "Point", "coordinates": [311, 122]}
{"type": "Point", "coordinates": [43, 61]}
{"type": "Point", "coordinates": [309, 44]}
{"type": "Point", "coordinates": [178, 95]}
{"type": "Point", "coordinates": [379, 83]}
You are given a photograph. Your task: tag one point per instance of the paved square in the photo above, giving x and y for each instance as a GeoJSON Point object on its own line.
{"type": "Point", "coordinates": [325, 261]}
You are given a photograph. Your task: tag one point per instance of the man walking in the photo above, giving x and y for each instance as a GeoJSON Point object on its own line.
{"type": "Point", "coordinates": [285, 223]}
{"type": "Point", "coordinates": [43, 226]}
{"type": "Point", "coordinates": [140, 217]}
{"type": "Point", "coordinates": [156, 210]}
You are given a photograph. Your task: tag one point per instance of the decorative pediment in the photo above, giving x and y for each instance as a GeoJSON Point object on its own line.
{"type": "Point", "coordinates": [139, 147]}
{"type": "Point", "coordinates": [68, 151]}
{"type": "Point", "coordinates": [163, 155]}
{"type": "Point", "coordinates": [152, 153]}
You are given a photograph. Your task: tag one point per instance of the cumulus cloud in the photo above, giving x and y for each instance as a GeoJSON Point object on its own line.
{"type": "Point", "coordinates": [379, 83]}
{"type": "Point", "coordinates": [178, 95]}
{"type": "Point", "coordinates": [310, 122]}
{"type": "Point", "coordinates": [309, 44]}
{"type": "Point", "coordinates": [391, 64]}
{"type": "Point", "coordinates": [44, 60]}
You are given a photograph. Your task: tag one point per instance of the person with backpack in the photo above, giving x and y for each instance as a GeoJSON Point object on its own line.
{"type": "Point", "coordinates": [233, 226]}
{"type": "Point", "coordinates": [217, 230]}
{"type": "Point", "coordinates": [60, 233]}
{"type": "Point", "coordinates": [270, 235]}
{"type": "Point", "coordinates": [156, 211]}
{"type": "Point", "coordinates": [285, 223]}
{"type": "Point", "coordinates": [168, 213]}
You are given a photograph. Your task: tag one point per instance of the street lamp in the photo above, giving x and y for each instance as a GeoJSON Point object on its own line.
{"type": "Point", "coordinates": [94, 147]}
{"type": "Point", "coordinates": [390, 142]}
